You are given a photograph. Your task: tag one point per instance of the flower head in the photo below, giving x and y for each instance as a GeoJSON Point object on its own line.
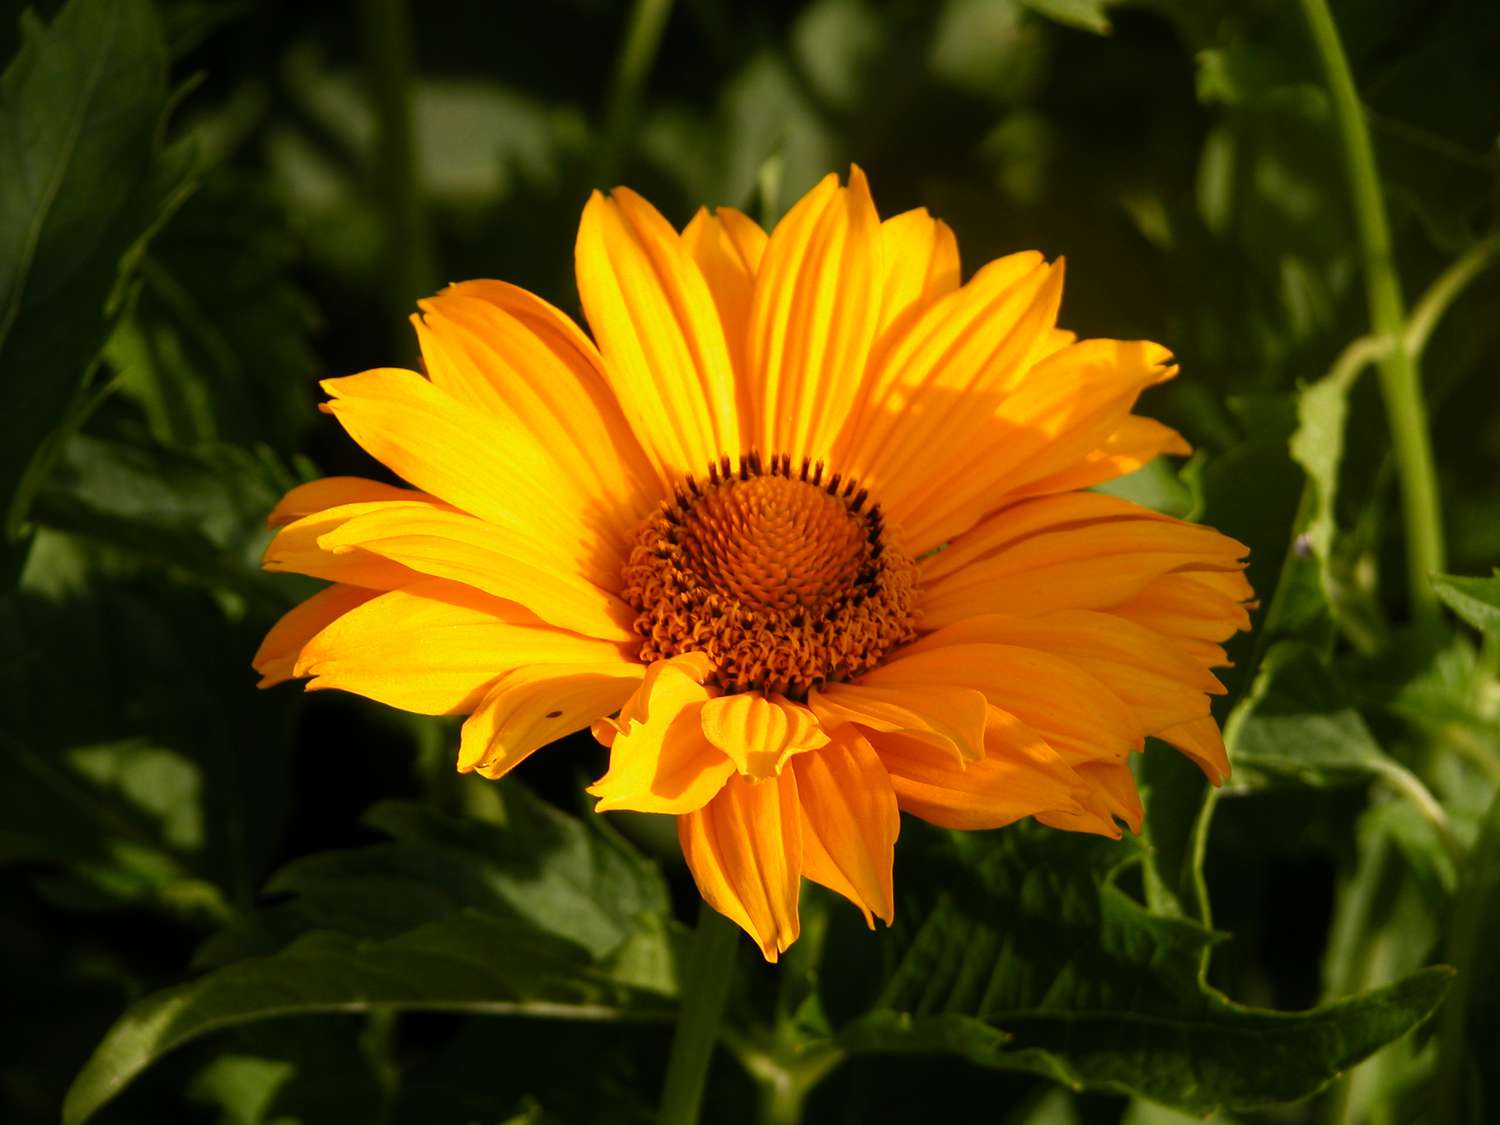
{"type": "Point", "coordinates": [799, 532]}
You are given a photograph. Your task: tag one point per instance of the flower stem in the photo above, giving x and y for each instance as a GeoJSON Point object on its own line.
{"type": "Point", "coordinates": [705, 992]}
{"type": "Point", "coordinates": [648, 19]}
{"type": "Point", "coordinates": [1399, 380]}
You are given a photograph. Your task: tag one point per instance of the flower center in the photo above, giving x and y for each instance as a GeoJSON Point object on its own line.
{"type": "Point", "coordinates": [784, 579]}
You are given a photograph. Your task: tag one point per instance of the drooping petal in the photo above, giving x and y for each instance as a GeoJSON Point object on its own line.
{"type": "Point", "coordinates": [543, 382]}
{"type": "Point", "coordinates": [759, 733]}
{"type": "Point", "coordinates": [1135, 442]}
{"type": "Point", "coordinates": [744, 849]}
{"type": "Point", "coordinates": [436, 647]}
{"type": "Point", "coordinates": [532, 706]}
{"type": "Point", "coordinates": [278, 653]}
{"type": "Point", "coordinates": [1020, 775]}
{"type": "Point", "coordinates": [850, 822]}
{"type": "Point", "coordinates": [475, 462]}
{"type": "Point", "coordinates": [952, 717]}
{"type": "Point", "coordinates": [659, 759]}
{"type": "Point", "coordinates": [457, 546]}
{"type": "Point", "coordinates": [659, 332]}
{"type": "Point", "coordinates": [813, 319]}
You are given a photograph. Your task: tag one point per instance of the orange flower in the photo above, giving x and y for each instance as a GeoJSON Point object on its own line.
{"type": "Point", "coordinates": [799, 532]}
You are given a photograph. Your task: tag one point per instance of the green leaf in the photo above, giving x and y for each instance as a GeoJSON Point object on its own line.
{"type": "Point", "coordinates": [84, 186]}
{"type": "Point", "coordinates": [467, 962]}
{"type": "Point", "coordinates": [1019, 950]}
{"type": "Point", "coordinates": [1476, 600]}
{"type": "Point", "coordinates": [1089, 15]}
{"type": "Point", "coordinates": [542, 915]}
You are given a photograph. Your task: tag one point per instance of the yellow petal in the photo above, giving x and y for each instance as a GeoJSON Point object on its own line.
{"type": "Point", "coordinates": [534, 377]}
{"type": "Point", "coordinates": [496, 472]}
{"type": "Point", "coordinates": [435, 647]}
{"type": "Point", "coordinates": [1019, 776]}
{"type": "Point", "coordinates": [532, 706]}
{"type": "Point", "coordinates": [759, 733]}
{"type": "Point", "coordinates": [279, 652]}
{"type": "Point", "coordinates": [813, 318]}
{"type": "Point", "coordinates": [659, 759]}
{"type": "Point", "coordinates": [333, 492]}
{"type": "Point", "coordinates": [659, 332]}
{"type": "Point", "coordinates": [952, 717]}
{"type": "Point", "coordinates": [849, 822]}
{"type": "Point", "coordinates": [1135, 442]}
{"type": "Point", "coordinates": [455, 545]}
{"type": "Point", "coordinates": [744, 849]}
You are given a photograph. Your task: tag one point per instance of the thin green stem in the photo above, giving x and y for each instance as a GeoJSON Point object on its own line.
{"type": "Point", "coordinates": [1399, 379]}
{"type": "Point", "coordinates": [648, 19]}
{"type": "Point", "coordinates": [705, 991]}
{"type": "Point", "coordinates": [411, 269]}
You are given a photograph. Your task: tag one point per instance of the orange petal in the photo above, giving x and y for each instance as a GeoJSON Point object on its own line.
{"type": "Point", "coordinates": [1201, 740]}
{"type": "Point", "coordinates": [456, 546]}
{"type": "Point", "coordinates": [1135, 442]}
{"type": "Point", "coordinates": [297, 549]}
{"type": "Point", "coordinates": [813, 318]}
{"type": "Point", "coordinates": [1074, 711]}
{"type": "Point", "coordinates": [952, 717]}
{"type": "Point", "coordinates": [849, 822]}
{"type": "Point", "coordinates": [744, 849]}
{"type": "Point", "coordinates": [728, 246]}
{"type": "Point", "coordinates": [1065, 407]}
{"type": "Point", "coordinates": [659, 331]}
{"type": "Point", "coordinates": [1020, 775]}
{"type": "Point", "coordinates": [540, 703]}
{"type": "Point", "coordinates": [759, 733]}
{"type": "Point", "coordinates": [921, 265]}
{"type": "Point", "coordinates": [435, 647]}
{"type": "Point", "coordinates": [1157, 681]}
{"type": "Point", "coordinates": [333, 492]}
{"type": "Point", "coordinates": [279, 652]}
{"type": "Point", "coordinates": [536, 379]}
{"type": "Point", "coordinates": [659, 759]}
{"type": "Point", "coordinates": [497, 472]}
{"type": "Point", "coordinates": [1075, 551]}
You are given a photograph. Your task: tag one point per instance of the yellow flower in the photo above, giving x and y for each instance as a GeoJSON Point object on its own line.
{"type": "Point", "coordinates": [799, 532]}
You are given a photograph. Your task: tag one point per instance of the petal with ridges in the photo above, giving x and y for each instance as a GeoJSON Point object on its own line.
{"type": "Point", "coordinates": [658, 330]}
{"type": "Point", "coordinates": [333, 492]}
{"type": "Point", "coordinates": [659, 759]}
{"type": "Point", "coordinates": [532, 706]}
{"type": "Point", "coordinates": [947, 716]}
{"type": "Point", "coordinates": [814, 317]}
{"type": "Point", "coordinates": [850, 822]}
{"type": "Point", "coordinates": [759, 733]}
{"type": "Point", "coordinates": [744, 849]}
{"type": "Point", "coordinates": [728, 245]}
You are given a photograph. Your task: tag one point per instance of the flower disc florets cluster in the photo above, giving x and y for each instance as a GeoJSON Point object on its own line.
{"type": "Point", "coordinates": [782, 577]}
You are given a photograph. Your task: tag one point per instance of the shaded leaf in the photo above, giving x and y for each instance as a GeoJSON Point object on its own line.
{"type": "Point", "coordinates": [1476, 600]}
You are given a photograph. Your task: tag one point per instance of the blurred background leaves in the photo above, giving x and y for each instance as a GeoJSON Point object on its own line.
{"type": "Point", "coordinates": [206, 205]}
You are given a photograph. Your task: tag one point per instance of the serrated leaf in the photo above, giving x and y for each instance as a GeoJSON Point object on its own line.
{"type": "Point", "coordinates": [1019, 951]}
{"type": "Point", "coordinates": [1476, 600]}
{"type": "Point", "coordinates": [84, 186]}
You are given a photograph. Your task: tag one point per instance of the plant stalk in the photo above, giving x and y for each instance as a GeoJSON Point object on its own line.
{"type": "Point", "coordinates": [1400, 382]}
{"type": "Point", "coordinates": [705, 991]}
